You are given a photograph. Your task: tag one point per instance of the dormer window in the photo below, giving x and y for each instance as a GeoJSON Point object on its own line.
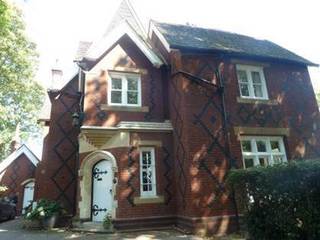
{"type": "Point", "coordinates": [124, 89]}
{"type": "Point", "coordinates": [252, 83]}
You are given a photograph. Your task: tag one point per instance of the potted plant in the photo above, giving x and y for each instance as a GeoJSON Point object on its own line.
{"type": "Point", "coordinates": [46, 212]}
{"type": "Point", "coordinates": [107, 222]}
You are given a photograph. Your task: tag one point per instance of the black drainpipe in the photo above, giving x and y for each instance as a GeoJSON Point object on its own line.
{"type": "Point", "coordinates": [227, 143]}
{"type": "Point", "coordinates": [78, 116]}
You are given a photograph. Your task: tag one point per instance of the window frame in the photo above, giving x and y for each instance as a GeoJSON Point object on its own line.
{"type": "Point", "coordinates": [153, 192]}
{"type": "Point", "coordinates": [248, 70]}
{"type": "Point", "coordinates": [255, 154]}
{"type": "Point", "coordinates": [124, 88]}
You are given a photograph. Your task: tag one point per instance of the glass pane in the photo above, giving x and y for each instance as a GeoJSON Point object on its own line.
{"type": "Point", "coordinates": [257, 90]}
{"type": "Point", "coordinates": [133, 84]}
{"type": "Point", "coordinates": [261, 146]}
{"type": "Point", "coordinates": [150, 187]}
{"type": "Point", "coordinates": [242, 76]}
{"type": "Point", "coordinates": [244, 88]}
{"type": "Point", "coordinates": [116, 97]}
{"type": "Point", "coordinates": [275, 146]}
{"type": "Point", "coordinates": [132, 97]}
{"type": "Point", "coordinates": [145, 158]}
{"type": "Point", "coordinates": [248, 162]}
{"type": "Point", "coordinates": [255, 77]}
{"type": "Point", "coordinates": [116, 83]}
{"type": "Point", "coordinates": [144, 177]}
{"type": "Point", "coordinates": [263, 161]}
{"type": "Point", "coordinates": [277, 159]}
{"type": "Point", "coordinates": [149, 177]}
{"type": "Point", "coordinates": [145, 188]}
{"type": "Point", "coordinates": [246, 146]}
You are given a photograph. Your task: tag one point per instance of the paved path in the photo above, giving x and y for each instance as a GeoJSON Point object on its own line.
{"type": "Point", "coordinates": [11, 230]}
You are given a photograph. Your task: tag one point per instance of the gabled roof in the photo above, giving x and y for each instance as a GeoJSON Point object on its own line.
{"type": "Point", "coordinates": [125, 12]}
{"type": "Point", "coordinates": [124, 29]}
{"type": "Point", "coordinates": [189, 37]}
{"type": "Point", "coordinates": [124, 22]}
{"type": "Point", "coordinates": [23, 149]}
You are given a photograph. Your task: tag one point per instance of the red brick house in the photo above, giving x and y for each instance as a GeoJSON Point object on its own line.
{"type": "Point", "coordinates": [17, 173]}
{"type": "Point", "coordinates": [148, 128]}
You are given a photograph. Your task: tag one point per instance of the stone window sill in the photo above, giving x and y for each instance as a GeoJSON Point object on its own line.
{"type": "Point", "coordinates": [145, 200]}
{"type": "Point", "coordinates": [124, 108]}
{"type": "Point", "coordinates": [257, 101]}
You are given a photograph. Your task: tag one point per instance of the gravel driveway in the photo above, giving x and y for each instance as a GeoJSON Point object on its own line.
{"type": "Point", "coordinates": [11, 230]}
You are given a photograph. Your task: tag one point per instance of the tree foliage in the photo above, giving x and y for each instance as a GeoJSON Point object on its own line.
{"type": "Point", "coordinates": [281, 201]}
{"type": "Point", "coordinates": [20, 96]}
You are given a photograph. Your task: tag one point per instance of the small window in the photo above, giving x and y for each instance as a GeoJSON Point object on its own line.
{"type": "Point", "coordinates": [262, 151]}
{"type": "Point", "coordinates": [124, 90]}
{"type": "Point", "coordinates": [147, 172]}
{"type": "Point", "coordinates": [252, 83]}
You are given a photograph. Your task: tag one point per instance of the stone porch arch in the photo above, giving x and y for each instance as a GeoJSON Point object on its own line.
{"type": "Point", "coordinates": [85, 182]}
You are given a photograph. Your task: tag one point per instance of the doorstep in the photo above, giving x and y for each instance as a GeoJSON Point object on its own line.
{"type": "Point", "coordinates": [90, 227]}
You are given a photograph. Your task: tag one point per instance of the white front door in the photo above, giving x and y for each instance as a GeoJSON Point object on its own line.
{"type": "Point", "coordinates": [27, 195]}
{"type": "Point", "coordinates": [102, 195]}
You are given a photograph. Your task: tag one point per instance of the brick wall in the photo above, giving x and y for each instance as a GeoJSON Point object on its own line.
{"type": "Point", "coordinates": [56, 173]}
{"type": "Point", "coordinates": [124, 56]}
{"type": "Point", "coordinates": [202, 152]}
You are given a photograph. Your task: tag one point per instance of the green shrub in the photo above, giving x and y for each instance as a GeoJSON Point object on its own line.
{"type": "Point", "coordinates": [44, 209]}
{"type": "Point", "coordinates": [280, 201]}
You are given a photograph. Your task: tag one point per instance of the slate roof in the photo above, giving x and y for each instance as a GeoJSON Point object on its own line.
{"type": "Point", "coordinates": [183, 36]}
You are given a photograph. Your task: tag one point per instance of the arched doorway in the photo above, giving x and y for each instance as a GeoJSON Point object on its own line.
{"type": "Point", "coordinates": [86, 184]}
{"type": "Point", "coordinates": [27, 195]}
{"type": "Point", "coordinates": [102, 195]}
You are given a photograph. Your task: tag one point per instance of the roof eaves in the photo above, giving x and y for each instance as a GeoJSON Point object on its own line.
{"type": "Point", "coordinates": [211, 50]}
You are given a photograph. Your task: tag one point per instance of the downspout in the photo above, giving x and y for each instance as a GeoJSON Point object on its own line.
{"type": "Point", "coordinates": [227, 137]}
{"type": "Point", "coordinates": [79, 115]}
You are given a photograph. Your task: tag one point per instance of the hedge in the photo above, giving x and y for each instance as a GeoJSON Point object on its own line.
{"type": "Point", "coordinates": [280, 201]}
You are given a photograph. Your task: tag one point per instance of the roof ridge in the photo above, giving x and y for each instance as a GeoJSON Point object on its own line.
{"type": "Point", "coordinates": [210, 29]}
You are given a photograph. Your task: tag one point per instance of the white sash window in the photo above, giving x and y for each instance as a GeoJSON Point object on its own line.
{"type": "Point", "coordinates": [252, 83]}
{"type": "Point", "coordinates": [147, 172]}
{"type": "Point", "coordinates": [262, 151]}
{"type": "Point", "coordinates": [124, 89]}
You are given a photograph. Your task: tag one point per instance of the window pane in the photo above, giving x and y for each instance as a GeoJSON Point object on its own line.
{"type": "Point", "coordinates": [257, 90]}
{"type": "Point", "coordinates": [261, 146]}
{"type": "Point", "coordinates": [242, 76]}
{"type": "Point", "coordinates": [144, 177]}
{"type": "Point", "coordinates": [133, 84]}
{"type": "Point", "coordinates": [244, 88]}
{"type": "Point", "coordinates": [275, 146]}
{"type": "Point", "coordinates": [132, 97]}
{"type": "Point", "coordinates": [255, 77]}
{"type": "Point", "coordinates": [248, 162]}
{"type": "Point", "coordinates": [246, 146]}
{"type": "Point", "coordinates": [263, 161]}
{"type": "Point", "coordinates": [146, 158]}
{"type": "Point", "coordinates": [116, 83]}
{"type": "Point", "coordinates": [116, 97]}
{"type": "Point", "coordinates": [277, 159]}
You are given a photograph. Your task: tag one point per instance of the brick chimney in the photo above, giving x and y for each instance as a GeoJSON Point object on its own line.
{"type": "Point", "coordinates": [56, 74]}
{"type": "Point", "coordinates": [16, 141]}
